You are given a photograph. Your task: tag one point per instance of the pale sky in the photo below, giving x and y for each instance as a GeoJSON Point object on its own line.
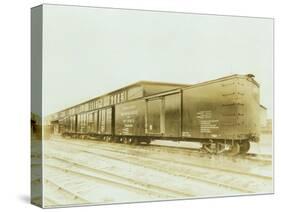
{"type": "Point", "coordinates": [91, 51]}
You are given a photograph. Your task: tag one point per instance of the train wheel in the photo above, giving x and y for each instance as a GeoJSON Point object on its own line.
{"type": "Point", "coordinates": [108, 138]}
{"type": "Point", "coordinates": [148, 142]}
{"type": "Point", "coordinates": [130, 141]}
{"type": "Point", "coordinates": [234, 149]}
{"type": "Point", "coordinates": [244, 147]}
{"type": "Point", "coordinates": [125, 140]}
{"type": "Point", "coordinates": [210, 148]}
{"type": "Point", "coordinates": [135, 141]}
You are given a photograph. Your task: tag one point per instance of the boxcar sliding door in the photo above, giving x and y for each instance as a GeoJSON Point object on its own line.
{"type": "Point", "coordinates": [163, 115]}
{"type": "Point", "coordinates": [101, 126]}
{"type": "Point", "coordinates": [105, 121]}
{"type": "Point", "coordinates": [172, 107]}
{"type": "Point", "coordinates": [108, 122]}
{"type": "Point", "coordinates": [93, 122]}
{"type": "Point", "coordinates": [155, 118]}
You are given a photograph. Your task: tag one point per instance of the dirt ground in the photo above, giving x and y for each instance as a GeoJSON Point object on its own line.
{"type": "Point", "coordinates": [96, 172]}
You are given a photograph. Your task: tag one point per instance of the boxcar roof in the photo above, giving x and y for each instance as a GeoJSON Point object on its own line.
{"type": "Point", "coordinates": [249, 76]}
{"type": "Point", "coordinates": [176, 85]}
{"type": "Point", "coordinates": [139, 83]}
{"type": "Point", "coordinates": [174, 90]}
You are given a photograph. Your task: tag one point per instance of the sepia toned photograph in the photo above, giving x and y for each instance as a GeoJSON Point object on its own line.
{"type": "Point", "coordinates": [136, 106]}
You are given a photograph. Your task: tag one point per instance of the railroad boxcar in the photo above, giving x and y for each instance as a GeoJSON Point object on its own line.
{"type": "Point", "coordinates": [222, 114]}
{"type": "Point", "coordinates": [223, 111]}
{"type": "Point", "coordinates": [96, 116]}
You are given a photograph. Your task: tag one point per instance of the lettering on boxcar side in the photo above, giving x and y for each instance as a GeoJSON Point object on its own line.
{"type": "Point", "coordinates": [186, 134]}
{"type": "Point", "coordinates": [207, 124]}
{"type": "Point", "coordinates": [206, 114]}
{"type": "Point", "coordinates": [128, 114]}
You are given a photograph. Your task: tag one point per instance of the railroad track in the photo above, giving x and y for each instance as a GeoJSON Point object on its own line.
{"type": "Point", "coordinates": [177, 194]}
{"type": "Point", "coordinates": [115, 180]}
{"type": "Point", "coordinates": [259, 157]}
{"type": "Point", "coordinates": [249, 156]}
{"type": "Point", "coordinates": [184, 161]}
{"type": "Point", "coordinates": [50, 201]}
{"type": "Point", "coordinates": [156, 164]}
{"type": "Point", "coordinates": [61, 194]}
{"type": "Point", "coordinates": [263, 158]}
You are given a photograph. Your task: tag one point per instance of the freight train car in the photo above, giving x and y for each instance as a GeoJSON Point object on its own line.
{"type": "Point", "coordinates": [221, 114]}
{"type": "Point", "coordinates": [225, 112]}
{"type": "Point", "coordinates": [96, 116]}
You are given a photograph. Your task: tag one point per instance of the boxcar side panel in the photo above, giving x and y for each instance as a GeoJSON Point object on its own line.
{"type": "Point", "coordinates": [130, 118]}
{"type": "Point", "coordinates": [224, 109]}
{"type": "Point", "coordinates": [209, 110]}
{"type": "Point", "coordinates": [172, 107]}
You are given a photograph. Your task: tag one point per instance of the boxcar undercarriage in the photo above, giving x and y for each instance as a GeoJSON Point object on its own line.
{"type": "Point", "coordinates": [212, 146]}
